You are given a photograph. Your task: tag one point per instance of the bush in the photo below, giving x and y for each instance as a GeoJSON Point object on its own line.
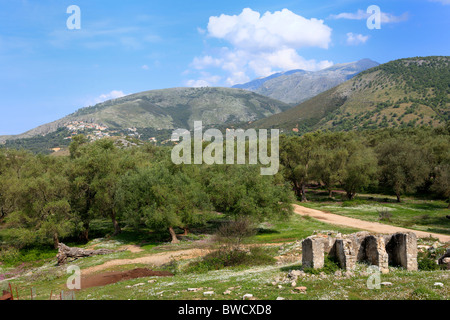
{"type": "Point", "coordinates": [427, 260]}
{"type": "Point", "coordinates": [331, 265]}
{"type": "Point", "coordinates": [353, 203]}
{"type": "Point", "coordinates": [384, 215]}
{"type": "Point", "coordinates": [234, 232]}
{"type": "Point", "coordinates": [231, 258]}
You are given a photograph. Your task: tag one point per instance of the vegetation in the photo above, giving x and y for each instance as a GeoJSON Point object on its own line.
{"type": "Point", "coordinates": [404, 93]}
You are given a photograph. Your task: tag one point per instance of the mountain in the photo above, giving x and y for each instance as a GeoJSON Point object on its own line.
{"type": "Point", "coordinates": [400, 93]}
{"type": "Point", "coordinates": [167, 109]}
{"type": "Point", "coordinates": [296, 86]}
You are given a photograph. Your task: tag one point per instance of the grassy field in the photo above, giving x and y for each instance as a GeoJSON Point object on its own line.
{"type": "Point", "coordinates": [278, 239]}
{"type": "Point", "coordinates": [418, 214]}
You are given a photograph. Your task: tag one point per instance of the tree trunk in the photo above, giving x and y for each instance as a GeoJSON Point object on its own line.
{"type": "Point", "coordinates": [186, 231]}
{"type": "Point", "coordinates": [398, 198]}
{"type": "Point", "coordinates": [174, 235]}
{"type": "Point", "coordinates": [304, 193]}
{"type": "Point", "coordinates": [350, 195]}
{"type": "Point", "coordinates": [297, 189]}
{"type": "Point", "coordinates": [117, 228]}
{"type": "Point", "coordinates": [55, 240]}
{"type": "Point", "coordinates": [84, 236]}
{"type": "Point", "coordinates": [330, 193]}
{"type": "Point", "coordinates": [65, 252]}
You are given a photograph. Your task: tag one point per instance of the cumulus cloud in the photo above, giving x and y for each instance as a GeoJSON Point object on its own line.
{"type": "Point", "coordinates": [356, 39]}
{"type": "Point", "coordinates": [206, 80]}
{"type": "Point", "coordinates": [362, 14]}
{"type": "Point", "coordinates": [114, 94]}
{"type": "Point", "coordinates": [262, 44]}
{"type": "Point", "coordinates": [252, 31]}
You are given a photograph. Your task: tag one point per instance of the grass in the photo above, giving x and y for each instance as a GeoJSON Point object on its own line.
{"type": "Point", "coordinates": [417, 214]}
{"type": "Point", "coordinates": [254, 273]}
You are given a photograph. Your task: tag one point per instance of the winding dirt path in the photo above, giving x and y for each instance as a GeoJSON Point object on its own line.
{"type": "Point", "coordinates": [361, 224]}
{"type": "Point", "coordinates": [157, 259]}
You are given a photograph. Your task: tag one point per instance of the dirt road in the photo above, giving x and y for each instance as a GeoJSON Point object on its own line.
{"type": "Point", "coordinates": [157, 259]}
{"type": "Point", "coordinates": [360, 224]}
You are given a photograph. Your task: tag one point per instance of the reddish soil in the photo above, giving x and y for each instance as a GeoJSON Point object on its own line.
{"type": "Point", "coordinates": [98, 280]}
{"type": "Point", "coordinates": [6, 296]}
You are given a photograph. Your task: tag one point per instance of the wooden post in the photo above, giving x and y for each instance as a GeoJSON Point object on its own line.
{"type": "Point", "coordinates": [10, 289]}
{"type": "Point", "coordinates": [51, 294]}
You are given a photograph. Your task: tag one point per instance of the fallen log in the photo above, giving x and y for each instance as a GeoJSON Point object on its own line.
{"type": "Point", "coordinates": [65, 252]}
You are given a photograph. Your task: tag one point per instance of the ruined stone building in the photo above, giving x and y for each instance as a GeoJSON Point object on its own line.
{"type": "Point", "coordinates": [399, 249]}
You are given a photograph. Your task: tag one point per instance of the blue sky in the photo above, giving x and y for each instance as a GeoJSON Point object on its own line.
{"type": "Point", "coordinates": [48, 71]}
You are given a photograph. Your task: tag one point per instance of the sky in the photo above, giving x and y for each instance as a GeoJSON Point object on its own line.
{"type": "Point", "coordinates": [54, 61]}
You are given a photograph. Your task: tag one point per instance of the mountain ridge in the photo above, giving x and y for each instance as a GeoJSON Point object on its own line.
{"type": "Point", "coordinates": [169, 109]}
{"type": "Point", "coordinates": [296, 86]}
{"type": "Point", "coordinates": [403, 92]}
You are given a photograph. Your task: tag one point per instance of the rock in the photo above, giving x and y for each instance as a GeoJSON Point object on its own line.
{"type": "Point", "coordinates": [247, 296]}
{"type": "Point", "coordinates": [446, 255]}
{"type": "Point", "coordinates": [439, 284]}
{"type": "Point", "coordinates": [280, 286]}
{"type": "Point", "coordinates": [300, 289]}
{"type": "Point", "coordinates": [151, 281]}
{"type": "Point", "coordinates": [293, 284]}
{"type": "Point", "coordinates": [387, 284]}
{"type": "Point", "coordinates": [227, 292]}
{"type": "Point", "coordinates": [193, 289]}
{"type": "Point", "coordinates": [280, 298]}
{"type": "Point", "coordinates": [295, 273]}
{"type": "Point", "coordinates": [139, 284]}
{"type": "Point", "coordinates": [208, 293]}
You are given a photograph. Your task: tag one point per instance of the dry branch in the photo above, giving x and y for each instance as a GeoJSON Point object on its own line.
{"type": "Point", "coordinates": [65, 252]}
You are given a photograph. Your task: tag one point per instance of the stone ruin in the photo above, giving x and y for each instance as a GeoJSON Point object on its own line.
{"type": "Point", "coordinates": [399, 249]}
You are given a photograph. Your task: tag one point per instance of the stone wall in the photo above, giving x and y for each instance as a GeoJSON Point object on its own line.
{"type": "Point", "coordinates": [398, 249]}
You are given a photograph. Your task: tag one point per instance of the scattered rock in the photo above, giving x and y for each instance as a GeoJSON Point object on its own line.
{"type": "Point", "coordinates": [208, 293]}
{"type": "Point", "coordinates": [247, 296]}
{"type": "Point", "coordinates": [387, 284]}
{"type": "Point", "coordinates": [193, 289]}
{"type": "Point", "coordinates": [280, 298]}
{"type": "Point", "coordinates": [439, 284]}
{"type": "Point", "coordinates": [151, 281]}
{"type": "Point", "coordinates": [280, 286]}
{"type": "Point", "coordinates": [301, 289]}
{"type": "Point", "coordinates": [293, 284]}
{"type": "Point", "coordinates": [227, 292]}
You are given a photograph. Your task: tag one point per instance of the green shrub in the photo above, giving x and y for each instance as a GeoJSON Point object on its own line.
{"type": "Point", "coordinates": [231, 258]}
{"type": "Point", "coordinates": [331, 265]}
{"type": "Point", "coordinates": [353, 203]}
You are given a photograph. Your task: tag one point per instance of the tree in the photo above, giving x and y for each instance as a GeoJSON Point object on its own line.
{"type": "Point", "coordinates": [296, 157]}
{"type": "Point", "coordinates": [403, 165]}
{"type": "Point", "coordinates": [162, 197]}
{"type": "Point", "coordinates": [359, 171]}
{"type": "Point", "coordinates": [441, 184]}
{"type": "Point", "coordinates": [42, 213]}
{"type": "Point", "coordinates": [330, 158]}
{"type": "Point", "coordinates": [241, 191]}
{"type": "Point", "coordinates": [91, 174]}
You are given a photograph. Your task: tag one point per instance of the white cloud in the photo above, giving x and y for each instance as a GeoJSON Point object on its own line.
{"type": "Point", "coordinates": [206, 80]}
{"type": "Point", "coordinates": [361, 15]}
{"type": "Point", "coordinates": [114, 94]}
{"type": "Point", "coordinates": [252, 31]}
{"type": "Point", "coordinates": [356, 39]}
{"type": "Point", "coordinates": [145, 67]}
{"type": "Point", "coordinates": [261, 45]}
